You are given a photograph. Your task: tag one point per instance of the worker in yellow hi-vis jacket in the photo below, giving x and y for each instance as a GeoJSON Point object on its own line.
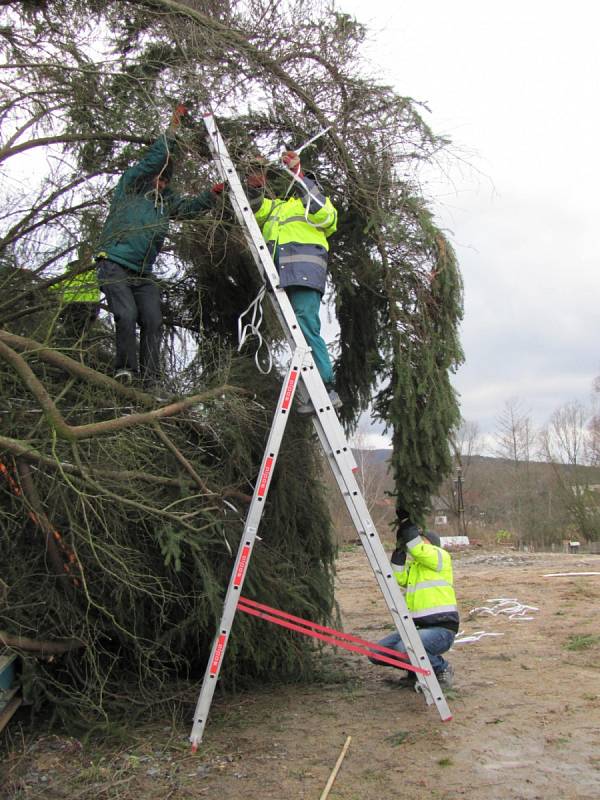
{"type": "Point", "coordinates": [79, 296]}
{"type": "Point", "coordinates": [297, 229]}
{"type": "Point", "coordinates": [423, 569]}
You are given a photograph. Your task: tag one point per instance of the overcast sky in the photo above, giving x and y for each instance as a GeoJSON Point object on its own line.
{"type": "Point", "coordinates": [515, 86]}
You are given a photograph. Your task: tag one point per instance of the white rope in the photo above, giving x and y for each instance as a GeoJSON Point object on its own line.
{"type": "Point", "coordinates": [567, 574]}
{"type": "Point", "coordinates": [276, 162]}
{"type": "Point", "coordinates": [297, 179]}
{"type": "Point", "coordinates": [252, 329]}
{"type": "Point", "coordinates": [314, 138]}
{"type": "Point", "coordinates": [504, 605]}
{"type": "Point", "coordinates": [474, 637]}
{"type": "Point", "coordinates": [309, 198]}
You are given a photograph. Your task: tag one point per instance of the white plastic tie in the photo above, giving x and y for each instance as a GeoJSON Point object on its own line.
{"type": "Point", "coordinates": [252, 328]}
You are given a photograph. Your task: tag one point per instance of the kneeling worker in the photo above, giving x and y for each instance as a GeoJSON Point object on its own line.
{"type": "Point", "coordinates": [424, 570]}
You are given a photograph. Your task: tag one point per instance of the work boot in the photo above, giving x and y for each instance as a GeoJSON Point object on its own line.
{"type": "Point", "coordinates": [308, 408]}
{"type": "Point", "coordinates": [124, 376]}
{"type": "Point", "coordinates": [409, 681]}
{"type": "Point", "coordinates": [446, 676]}
{"type": "Point", "coordinates": [335, 399]}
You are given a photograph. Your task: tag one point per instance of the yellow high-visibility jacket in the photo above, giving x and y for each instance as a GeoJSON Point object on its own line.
{"type": "Point", "coordinates": [297, 239]}
{"type": "Point", "coordinates": [82, 288]}
{"type": "Point", "coordinates": [424, 571]}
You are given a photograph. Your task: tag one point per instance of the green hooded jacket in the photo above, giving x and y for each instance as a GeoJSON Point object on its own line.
{"type": "Point", "coordinates": [139, 216]}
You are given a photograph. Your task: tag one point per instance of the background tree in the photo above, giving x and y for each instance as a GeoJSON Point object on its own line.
{"type": "Point", "coordinates": [460, 493]}
{"type": "Point", "coordinates": [594, 425]}
{"type": "Point", "coordinates": [147, 502]}
{"type": "Point", "coordinates": [566, 444]}
{"type": "Point", "coordinates": [515, 443]}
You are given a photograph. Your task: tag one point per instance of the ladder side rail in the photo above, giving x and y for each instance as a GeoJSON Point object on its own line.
{"type": "Point", "coordinates": [246, 546]}
{"type": "Point", "coordinates": [378, 561]}
{"type": "Point", "coordinates": [325, 415]}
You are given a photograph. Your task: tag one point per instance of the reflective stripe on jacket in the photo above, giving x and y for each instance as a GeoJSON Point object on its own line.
{"type": "Point", "coordinates": [297, 240]}
{"type": "Point", "coordinates": [426, 575]}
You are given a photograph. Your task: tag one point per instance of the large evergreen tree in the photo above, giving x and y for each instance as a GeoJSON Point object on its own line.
{"type": "Point", "coordinates": [150, 506]}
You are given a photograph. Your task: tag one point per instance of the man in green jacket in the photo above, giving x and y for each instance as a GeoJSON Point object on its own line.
{"type": "Point", "coordinates": [424, 571]}
{"type": "Point", "coordinates": [141, 209]}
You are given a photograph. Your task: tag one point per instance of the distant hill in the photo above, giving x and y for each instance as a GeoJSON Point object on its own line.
{"type": "Point", "coordinates": [373, 456]}
{"type": "Point", "coordinates": [592, 472]}
{"type": "Point", "coordinates": [377, 456]}
{"type": "Point", "coordinates": [483, 465]}
{"type": "Point", "coordinates": [533, 501]}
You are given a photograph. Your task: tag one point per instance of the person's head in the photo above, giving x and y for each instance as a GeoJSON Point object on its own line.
{"type": "Point", "coordinates": [160, 183]}
{"type": "Point", "coordinates": [162, 180]}
{"type": "Point", "coordinates": [432, 538]}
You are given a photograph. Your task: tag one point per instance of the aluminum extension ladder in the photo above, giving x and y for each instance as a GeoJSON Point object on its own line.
{"type": "Point", "coordinates": [335, 446]}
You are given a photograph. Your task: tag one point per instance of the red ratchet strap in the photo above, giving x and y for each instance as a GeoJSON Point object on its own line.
{"type": "Point", "coordinates": [68, 554]}
{"type": "Point", "coordinates": [330, 635]}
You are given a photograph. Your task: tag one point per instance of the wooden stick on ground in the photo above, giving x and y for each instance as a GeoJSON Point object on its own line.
{"type": "Point", "coordinates": [338, 764]}
{"type": "Point", "coordinates": [567, 574]}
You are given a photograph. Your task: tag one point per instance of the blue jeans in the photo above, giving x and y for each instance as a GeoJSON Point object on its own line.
{"type": "Point", "coordinates": [307, 304]}
{"type": "Point", "coordinates": [435, 641]}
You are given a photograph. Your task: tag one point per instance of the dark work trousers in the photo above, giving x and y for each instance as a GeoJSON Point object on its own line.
{"type": "Point", "coordinates": [133, 300]}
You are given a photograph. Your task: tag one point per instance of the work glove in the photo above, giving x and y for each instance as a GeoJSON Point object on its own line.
{"type": "Point", "coordinates": [292, 162]}
{"type": "Point", "coordinates": [398, 558]}
{"type": "Point", "coordinates": [407, 533]}
{"type": "Point", "coordinates": [402, 516]}
{"type": "Point", "coordinates": [217, 188]}
{"type": "Point", "coordinates": [407, 530]}
{"type": "Point", "coordinates": [181, 112]}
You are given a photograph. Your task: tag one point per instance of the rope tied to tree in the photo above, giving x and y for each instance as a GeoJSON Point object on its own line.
{"type": "Point", "coordinates": [71, 562]}
{"type": "Point", "coordinates": [310, 197]}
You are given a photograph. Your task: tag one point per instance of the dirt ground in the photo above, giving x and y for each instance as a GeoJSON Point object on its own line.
{"type": "Point", "coordinates": [526, 708]}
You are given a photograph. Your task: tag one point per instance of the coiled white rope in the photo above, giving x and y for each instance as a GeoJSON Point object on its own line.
{"type": "Point", "coordinates": [504, 605]}
{"type": "Point", "coordinates": [252, 328]}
